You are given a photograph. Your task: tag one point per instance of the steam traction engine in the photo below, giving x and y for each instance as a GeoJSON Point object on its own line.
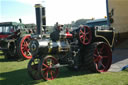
{"type": "Point", "coordinates": [86, 47]}
{"type": "Point", "coordinates": [14, 40]}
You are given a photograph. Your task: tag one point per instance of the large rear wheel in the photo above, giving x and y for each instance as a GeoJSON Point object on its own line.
{"type": "Point", "coordinates": [98, 57]}
{"type": "Point", "coordinates": [23, 47]}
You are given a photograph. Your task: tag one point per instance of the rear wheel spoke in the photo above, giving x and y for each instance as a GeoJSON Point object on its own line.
{"type": "Point", "coordinates": [102, 49]}
{"type": "Point", "coordinates": [46, 74]}
{"type": "Point", "coordinates": [105, 56]}
{"type": "Point", "coordinates": [102, 64]}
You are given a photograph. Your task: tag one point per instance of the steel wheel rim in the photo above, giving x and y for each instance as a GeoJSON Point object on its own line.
{"type": "Point", "coordinates": [25, 47]}
{"type": "Point", "coordinates": [46, 70]}
{"type": "Point", "coordinates": [85, 35]}
{"type": "Point", "coordinates": [102, 57]}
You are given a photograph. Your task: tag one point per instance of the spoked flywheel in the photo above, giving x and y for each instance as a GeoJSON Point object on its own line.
{"type": "Point", "coordinates": [46, 68]}
{"type": "Point", "coordinates": [24, 50]}
{"type": "Point", "coordinates": [99, 57]}
{"type": "Point", "coordinates": [33, 68]}
{"type": "Point", "coordinates": [85, 35]}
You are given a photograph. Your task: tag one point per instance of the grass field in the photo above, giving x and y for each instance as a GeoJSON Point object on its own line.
{"type": "Point", "coordinates": [15, 73]}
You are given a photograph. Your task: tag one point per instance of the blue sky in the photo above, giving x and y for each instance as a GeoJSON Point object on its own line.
{"type": "Point", "coordinates": [12, 10]}
{"type": "Point", "coordinates": [62, 11]}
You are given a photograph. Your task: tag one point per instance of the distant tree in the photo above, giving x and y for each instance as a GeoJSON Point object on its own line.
{"type": "Point", "coordinates": [30, 25]}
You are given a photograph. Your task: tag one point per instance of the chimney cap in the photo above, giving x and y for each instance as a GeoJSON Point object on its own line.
{"type": "Point", "coordinates": [38, 6]}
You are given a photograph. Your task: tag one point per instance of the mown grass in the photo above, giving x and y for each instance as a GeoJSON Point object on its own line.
{"type": "Point", "coordinates": [15, 73]}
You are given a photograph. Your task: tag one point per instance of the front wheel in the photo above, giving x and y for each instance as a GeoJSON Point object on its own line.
{"type": "Point", "coordinates": [46, 68]}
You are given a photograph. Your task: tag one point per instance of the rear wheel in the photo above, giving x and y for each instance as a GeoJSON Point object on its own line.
{"type": "Point", "coordinates": [33, 68]}
{"type": "Point", "coordinates": [23, 47]}
{"type": "Point", "coordinates": [99, 57]}
{"type": "Point", "coordinates": [46, 69]}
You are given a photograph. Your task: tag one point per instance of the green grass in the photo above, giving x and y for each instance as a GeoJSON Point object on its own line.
{"type": "Point", "coordinates": [15, 73]}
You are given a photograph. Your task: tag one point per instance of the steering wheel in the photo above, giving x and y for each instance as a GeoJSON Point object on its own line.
{"type": "Point", "coordinates": [85, 35]}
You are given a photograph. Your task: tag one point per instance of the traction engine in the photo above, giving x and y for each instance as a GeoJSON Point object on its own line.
{"type": "Point", "coordinates": [85, 47]}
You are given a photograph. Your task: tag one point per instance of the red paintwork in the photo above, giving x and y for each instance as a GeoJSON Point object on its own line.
{"type": "Point", "coordinates": [85, 35]}
{"type": "Point", "coordinates": [47, 71]}
{"type": "Point", "coordinates": [102, 57]}
{"type": "Point", "coordinates": [3, 36]}
{"type": "Point", "coordinates": [68, 35]}
{"type": "Point", "coordinates": [24, 47]}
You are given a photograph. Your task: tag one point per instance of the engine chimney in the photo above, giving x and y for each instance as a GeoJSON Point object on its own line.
{"type": "Point", "coordinates": [38, 9]}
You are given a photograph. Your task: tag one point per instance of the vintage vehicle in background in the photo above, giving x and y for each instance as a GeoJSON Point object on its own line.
{"type": "Point", "coordinates": [14, 40]}
{"type": "Point", "coordinates": [88, 46]}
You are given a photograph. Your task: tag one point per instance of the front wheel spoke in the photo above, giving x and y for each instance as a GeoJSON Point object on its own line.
{"type": "Point", "coordinates": [46, 74]}
{"type": "Point", "coordinates": [51, 74]}
{"type": "Point", "coordinates": [44, 69]}
{"type": "Point", "coordinates": [45, 65]}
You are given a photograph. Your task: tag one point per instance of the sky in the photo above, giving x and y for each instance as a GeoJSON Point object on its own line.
{"type": "Point", "coordinates": [62, 11]}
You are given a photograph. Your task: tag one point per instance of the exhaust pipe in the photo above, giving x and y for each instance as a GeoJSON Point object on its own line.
{"type": "Point", "coordinates": [20, 20]}
{"type": "Point", "coordinates": [43, 19]}
{"type": "Point", "coordinates": [38, 9]}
